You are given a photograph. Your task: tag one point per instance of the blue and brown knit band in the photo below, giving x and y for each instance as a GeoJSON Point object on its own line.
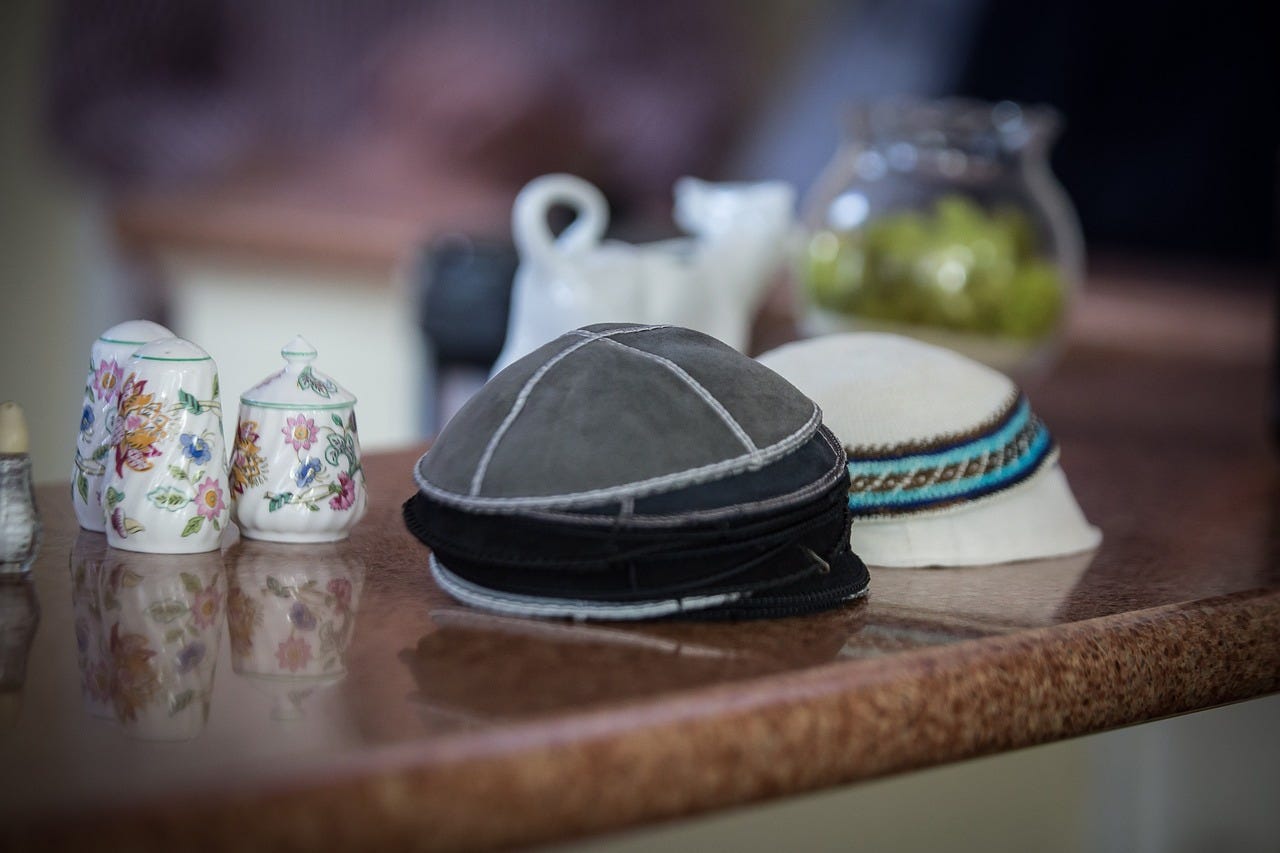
{"type": "Point", "coordinates": [919, 476]}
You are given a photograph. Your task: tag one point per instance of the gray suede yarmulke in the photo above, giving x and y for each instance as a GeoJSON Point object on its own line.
{"type": "Point", "coordinates": [610, 412]}
{"type": "Point", "coordinates": [637, 472]}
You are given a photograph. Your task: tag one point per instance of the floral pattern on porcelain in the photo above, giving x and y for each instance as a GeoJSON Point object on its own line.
{"type": "Point", "coordinates": [248, 467]}
{"type": "Point", "coordinates": [167, 491]}
{"type": "Point", "coordinates": [308, 381]}
{"type": "Point", "coordinates": [291, 612]}
{"type": "Point", "coordinates": [296, 474]}
{"type": "Point", "coordinates": [163, 626]}
{"type": "Point", "coordinates": [333, 480]}
{"type": "Point", "coordinates": [313, 625]}
{"type": "Point", "coordinates": [142, 427]}
{"type": "Point", "coordinates": [98, 412]}
{"type": "Point", "coordinates": [97, 417]}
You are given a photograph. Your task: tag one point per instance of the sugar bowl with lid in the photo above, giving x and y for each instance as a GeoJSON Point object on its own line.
{"type": "Point", "coordinates": [296, 474]}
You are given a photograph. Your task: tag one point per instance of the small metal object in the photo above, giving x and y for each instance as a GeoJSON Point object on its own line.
{"type": "Point", "coordinates": [19, 522]}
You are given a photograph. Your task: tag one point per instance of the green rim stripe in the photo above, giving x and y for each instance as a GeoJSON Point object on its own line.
{"type": "Point", "coordinates": [118, 341]}
{"type": "Point", "coordinates": [162, 358]}
{"type": "Point", "coordinates": [298, 407]}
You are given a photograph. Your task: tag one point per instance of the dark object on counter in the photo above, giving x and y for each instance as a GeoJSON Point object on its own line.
{"type": "Point", "coordinates": [466, 296]}
{"type": "Point", "coordinates": [632, 472]}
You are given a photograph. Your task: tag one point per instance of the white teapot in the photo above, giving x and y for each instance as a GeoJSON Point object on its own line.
{"type": "Point", "coordinates": [712, 281]}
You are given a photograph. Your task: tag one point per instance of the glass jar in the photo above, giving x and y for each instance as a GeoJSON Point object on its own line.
{"type": "Point", "coordinates": [942, 220]}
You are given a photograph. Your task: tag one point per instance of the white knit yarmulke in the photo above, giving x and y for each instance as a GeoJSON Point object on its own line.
{"type": "Point", "coordinates": [948, 465]}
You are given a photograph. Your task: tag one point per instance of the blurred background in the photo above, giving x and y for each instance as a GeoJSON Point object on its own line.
{"type": "Point", "coordinates": [244, 172]}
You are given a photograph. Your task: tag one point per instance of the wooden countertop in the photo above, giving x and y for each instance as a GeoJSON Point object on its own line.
{"type": "Point", "coordinates": [455, 729]}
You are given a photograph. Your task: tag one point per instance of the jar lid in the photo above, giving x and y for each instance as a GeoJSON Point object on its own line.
{"type": "Point", "coordinates": [298, 385]}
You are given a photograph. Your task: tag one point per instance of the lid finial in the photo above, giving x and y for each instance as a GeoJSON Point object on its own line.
{"type": "Point", "coordinates": [298, 385]}
{"type": "Point", "coordinates": [298, 351]}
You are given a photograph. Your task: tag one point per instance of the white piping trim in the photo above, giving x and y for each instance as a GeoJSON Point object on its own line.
{"type": "Point", "coordinates": [640, 488]}
{"type": "Point", "coordinates": [484, 598]}
{"type": "Point", "coordinates": [620, 330]}
{"type": "Point", "coordinates": [792, 498]}
{"type": "Point", "coordinates": [682, 375]}
{"type": "Point", "coordinates": [477, 479]}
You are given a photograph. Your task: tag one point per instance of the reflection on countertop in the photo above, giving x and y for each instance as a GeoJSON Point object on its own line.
{"type": "Point", "coordinates": [978, 597]}
{"type": "Point", "coordinates": [477, 668]}
{"type": "Point", "coordinates": [147, 628]}
{"type": "Point", "coordinates": [291, 611]}
{"type": "Point", "coordinates": [19, 618]}
{"type": "Point", "coordinates": [128, 693]}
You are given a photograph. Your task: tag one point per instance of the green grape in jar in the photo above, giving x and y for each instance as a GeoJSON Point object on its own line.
{"type": "Point", "coordinates": [956, 266]}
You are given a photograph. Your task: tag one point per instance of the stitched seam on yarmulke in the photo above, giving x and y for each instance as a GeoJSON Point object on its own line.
{"type": "Point", "coordinates": [482, 467]}
{"type": "Point", "coordinates": [946, 441]}
{"type": "Point", "coordinates": [583, 333]}
{"type": "Point", "coordinates": [697, 388]}
{"type": "Point", "coordinates": [640, 488]}
{"type": "Point", "coordinates": [804, 493]}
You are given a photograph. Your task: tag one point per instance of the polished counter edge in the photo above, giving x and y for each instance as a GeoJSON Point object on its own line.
{"type": "Point", "coordinates": [734, 744]}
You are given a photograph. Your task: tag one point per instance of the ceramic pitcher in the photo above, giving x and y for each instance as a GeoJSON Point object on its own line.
{"type": "Point", "coordinates": [712, 281]}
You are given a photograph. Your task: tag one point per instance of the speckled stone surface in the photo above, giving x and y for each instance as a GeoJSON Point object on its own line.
{"type": "Point", "coordinates": [454, 729]}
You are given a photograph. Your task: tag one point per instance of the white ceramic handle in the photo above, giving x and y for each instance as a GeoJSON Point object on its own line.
{"type": "Point", "coordinates": [529, 217]}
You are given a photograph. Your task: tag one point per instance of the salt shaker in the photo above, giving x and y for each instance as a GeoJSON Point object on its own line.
{"type": "Point", "coordinates": [98, 413]}
{"type": "Point", "coordinates": [19, 523]}
{"type": "Point", "coordinates": [166, 486]}
{"type": "Point", "coordinates": [295, 466]}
